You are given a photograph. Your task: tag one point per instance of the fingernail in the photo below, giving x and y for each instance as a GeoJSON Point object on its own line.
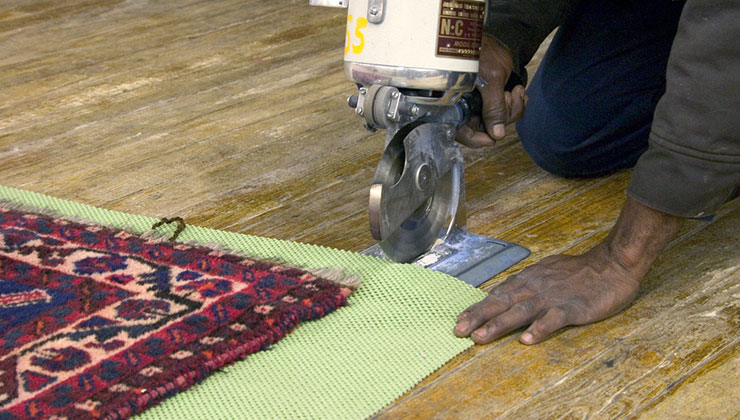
{"type": "Point", "coordinates": [462, 327]}
{"type": "Point", "coordinates": [499, 130]}
{"type": "Point", "coordinates": [527, 338]}
{"type": "Point", "coordinates": [480, 333]}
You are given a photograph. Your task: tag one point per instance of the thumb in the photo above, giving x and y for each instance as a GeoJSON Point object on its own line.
{"type": "Point", "coordinates": [494, 111]}
{"type": "Point", "coordinates": [495, 68]}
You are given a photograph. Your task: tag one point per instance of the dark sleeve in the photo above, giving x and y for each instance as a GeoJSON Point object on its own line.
{"type": "Point", "coordinates": [692, 165]}
{"type": "Point", "coordinates": [522, 25]}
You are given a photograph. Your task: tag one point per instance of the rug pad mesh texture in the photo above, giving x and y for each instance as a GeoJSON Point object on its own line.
{"type": "Point", "coordinates": [396, 330]}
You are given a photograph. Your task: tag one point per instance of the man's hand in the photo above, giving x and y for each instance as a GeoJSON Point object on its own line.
{"type": "Point", "coordinates": [564, 290]}
{"type": "Point", "coordinates": [499, 107]}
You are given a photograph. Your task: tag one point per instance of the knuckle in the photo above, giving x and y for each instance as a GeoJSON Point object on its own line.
{"type": "Point", "coordinates": [538, 329]}
{"type": "Point", "coordinates": [514, 281]}
{"type": "Point", "coordinates": [560, 315]}
{"type": "Point", "coordinates": [579, 311]}
{"type": "Point", "coordinates": [476, 314]}
{"type": "Point", "coordinates": [527, 307]}
{"type": "Point", "coordinates": [465, 314]}
{"type": "Point", "coordinates": [495, 115]}
{"type": "Point", "coordinates": [535, 283]}
{"type": "Point", "coordinates": [495, 73]}
{"type": "Point", "coordinates": [472, 312]}
{"type": "Point", "coordinates": [494, 326]}
{"type": "Point", "coordinates": [501, 296]}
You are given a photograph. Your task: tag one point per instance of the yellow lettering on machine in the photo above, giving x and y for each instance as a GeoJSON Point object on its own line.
{"type": "Point", "coordinates": [361, 24]}
{"type": "Point", "coordinates": [348, 40]}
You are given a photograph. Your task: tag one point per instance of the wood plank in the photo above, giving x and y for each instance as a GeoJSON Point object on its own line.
{"type": "Point", "coordinates": [705, 393]}
{"type": "Point", "coordinates": [125, 145]}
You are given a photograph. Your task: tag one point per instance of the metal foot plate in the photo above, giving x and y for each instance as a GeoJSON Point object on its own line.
{"type": "Point", "coordinates": [471, 258]}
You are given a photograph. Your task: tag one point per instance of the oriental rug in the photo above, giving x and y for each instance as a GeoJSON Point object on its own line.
{"type": "Point", "coordinates": [102, 323]}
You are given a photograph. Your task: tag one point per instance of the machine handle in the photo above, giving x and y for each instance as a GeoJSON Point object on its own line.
{"type": "Point", "coordinates": [473, 101]}
{"type": "Point", "coordinates": [470, 104]}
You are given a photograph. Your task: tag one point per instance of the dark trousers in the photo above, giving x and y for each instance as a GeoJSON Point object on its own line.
{"type": "Point", "coordinates": [592, 99]}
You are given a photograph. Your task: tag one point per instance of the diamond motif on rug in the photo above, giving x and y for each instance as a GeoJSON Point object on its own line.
{"type": "Point", "coordinates": [99, 323]}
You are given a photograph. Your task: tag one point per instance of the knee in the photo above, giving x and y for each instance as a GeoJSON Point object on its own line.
{"type": "Point", "coordinates": [569, 150]}
{"type": "Point", "coordinates": [560, 155]}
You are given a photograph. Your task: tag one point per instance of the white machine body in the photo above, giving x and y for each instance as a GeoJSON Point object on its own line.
{"type": "Point", "coordinates": [423, 44]}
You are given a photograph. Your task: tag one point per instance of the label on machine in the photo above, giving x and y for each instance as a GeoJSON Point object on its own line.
{"type": "Point", "coordinates": [460, 28]}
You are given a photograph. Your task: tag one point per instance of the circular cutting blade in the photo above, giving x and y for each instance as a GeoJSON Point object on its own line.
{"type": "Point", "coordinates": [421, 230]}
{"type": "Point", "coordinates": [418, 233]}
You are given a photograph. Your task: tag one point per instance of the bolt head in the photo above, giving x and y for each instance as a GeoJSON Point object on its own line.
{"type": "Point", "coordinates": [395, 94]}
{"type": "Point", "coordinates": [374, 11]}
{"type": "Point", "coordinates": [423, 177]}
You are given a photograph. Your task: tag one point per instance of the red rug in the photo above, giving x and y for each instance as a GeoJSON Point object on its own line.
{"type": "Point", "coordinates": [99, 323]}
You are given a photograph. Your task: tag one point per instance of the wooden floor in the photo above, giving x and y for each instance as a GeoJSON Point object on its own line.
{"type": "Point", "coordinates": [232, 115]}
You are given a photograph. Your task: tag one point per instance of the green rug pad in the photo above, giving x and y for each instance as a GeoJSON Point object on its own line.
{"type": "Point", "coordinates": [396, 330]}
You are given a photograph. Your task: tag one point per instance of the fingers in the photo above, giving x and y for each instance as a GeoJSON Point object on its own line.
{"type": "Point", "coordinates": [472, 138]}
{"type": "Point", "coordinates": [511, 109]}
{"type": "Point", "coordinates": [517, 104]}
{"type": "Point", "coordinates": [513, 304]}
{"type": "Point", "coordinates": [503, 297]}
{"type": "Point", "coordinates": [501, 108]}
{"type": "Point", "coordinates": [517, 316]}
{"type": "Point", "coordinates": [495, 67]}
{"type": "Point", "coordinates": [553, 320]}
{"type": "Point", "coordinates": [479, 313]}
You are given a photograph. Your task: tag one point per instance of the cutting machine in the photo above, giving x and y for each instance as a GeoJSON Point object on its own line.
{"type": "Point", "coordinates": [415, 65]}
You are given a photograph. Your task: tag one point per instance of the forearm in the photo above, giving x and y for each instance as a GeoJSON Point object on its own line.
{"type": "Point", "coordinates": [639, 236]}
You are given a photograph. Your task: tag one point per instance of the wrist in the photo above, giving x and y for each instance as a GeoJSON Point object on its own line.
{"type": "Point", "coordinates": [639, 236]}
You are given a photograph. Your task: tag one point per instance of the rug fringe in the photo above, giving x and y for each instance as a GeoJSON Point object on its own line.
{"type": "Point", "coordinates": [338, 276]}
{"type": "Point", "coordinates": [334, 275]}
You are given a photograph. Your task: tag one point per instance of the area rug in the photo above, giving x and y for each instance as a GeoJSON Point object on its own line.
{"type": "Point", "coordinates": [102, 323]}
{"type": "Point", "coordinates": [395, 330]}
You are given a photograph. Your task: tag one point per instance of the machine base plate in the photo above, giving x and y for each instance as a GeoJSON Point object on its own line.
{"type": "Point", "coordinates": [471, 258]}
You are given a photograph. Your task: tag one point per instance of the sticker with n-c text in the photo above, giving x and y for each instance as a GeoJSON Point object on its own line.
{"type": "Point", "coordinates": [460, 28]}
